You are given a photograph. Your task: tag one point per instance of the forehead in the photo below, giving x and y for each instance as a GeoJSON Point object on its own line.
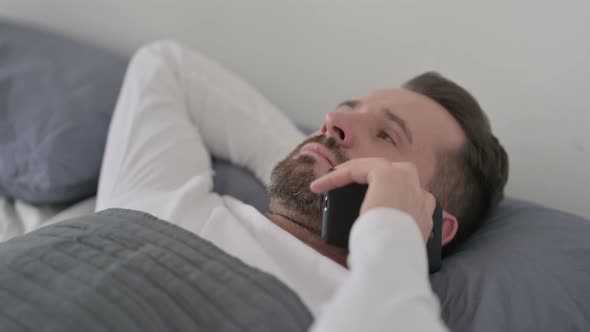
{"type": "Point", "coordinates": [430, 123]}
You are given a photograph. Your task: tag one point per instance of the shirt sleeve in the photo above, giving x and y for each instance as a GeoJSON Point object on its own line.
{"type": "Point", "coordinates": [388, 288]}
{"type": "Point", "coordinates": [176, 108]}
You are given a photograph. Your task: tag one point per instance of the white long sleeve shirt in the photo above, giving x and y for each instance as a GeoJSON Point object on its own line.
{"type": "Point", "coordinates": [176, 108]}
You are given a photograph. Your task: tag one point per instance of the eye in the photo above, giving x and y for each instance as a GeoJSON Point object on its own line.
{"type": "Point", "coordinates": [386, 137]}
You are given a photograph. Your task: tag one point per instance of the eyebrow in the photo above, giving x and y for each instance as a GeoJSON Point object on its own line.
{"type": "Point", "coordinates": [389, 115]}
{"type": "Point", "coordinates": [349, 103]}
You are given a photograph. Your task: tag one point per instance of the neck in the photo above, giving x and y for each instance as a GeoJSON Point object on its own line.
{"type": "Point", "coordinates": [305, 232]}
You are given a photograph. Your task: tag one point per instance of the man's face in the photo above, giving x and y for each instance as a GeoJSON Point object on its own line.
{"type": "Point", "coordinates": [395, 124]}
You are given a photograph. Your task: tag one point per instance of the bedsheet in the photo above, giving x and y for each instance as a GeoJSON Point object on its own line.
{"type": "Point", "coordinates": [18, 217]}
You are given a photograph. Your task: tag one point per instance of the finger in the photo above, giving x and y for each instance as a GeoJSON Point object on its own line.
{"type": "Point", "coordinates": [354, 170]}
{"type": "Point", "coordinates": [430, 203]}
{"type": "Point", "coordinates": [429, 206]}
{"type": "Point", "coordinates": [411, 170]}
{"type": "Point", "coordinates": [339, 177]}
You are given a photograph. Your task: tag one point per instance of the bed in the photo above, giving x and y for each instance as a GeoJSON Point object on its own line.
{"type": "Point", "coordinates": [19, 217]}
{"type": "Point", "coordinates": [526, 269]}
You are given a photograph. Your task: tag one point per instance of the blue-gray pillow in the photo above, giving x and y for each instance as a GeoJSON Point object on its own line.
{"type": "Point", "coordinates": [56, 100]}
{"type": "Point", "coordinates": [527, 269]}
{"type": "Point", "coordinates": [229, 179]}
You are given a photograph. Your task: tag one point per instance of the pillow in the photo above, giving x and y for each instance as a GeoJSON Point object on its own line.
{"type": "Point", "coordinates": [56, 101]}
{"type": "Point", "coordinates": [229, 179]}
{"type": "Point", "coordinates": [526, 269]}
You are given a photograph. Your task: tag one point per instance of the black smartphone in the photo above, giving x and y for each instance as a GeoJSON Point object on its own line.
{"type": "Point", "coordinates": [341, 207]}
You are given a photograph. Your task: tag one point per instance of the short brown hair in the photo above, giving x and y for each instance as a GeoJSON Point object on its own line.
{"type": "Point", "coordinates": [469, 183]}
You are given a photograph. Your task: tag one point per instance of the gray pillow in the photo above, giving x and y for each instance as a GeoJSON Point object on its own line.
{"type": "Point", "coordinates": [240, 183]}
{"type": "Point", "coordinates": [526, 269]}
{"type": "Point", "coordinates": [56, 101]}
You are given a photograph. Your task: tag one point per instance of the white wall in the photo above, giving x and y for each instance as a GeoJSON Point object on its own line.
{"type": "Point", "coordinates": [528, 62]}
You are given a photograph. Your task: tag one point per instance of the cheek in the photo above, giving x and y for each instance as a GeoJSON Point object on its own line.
{"type": "Point", "coordinates": [375, 151]}
{"type": "Point", "coordinates": [425, 163]}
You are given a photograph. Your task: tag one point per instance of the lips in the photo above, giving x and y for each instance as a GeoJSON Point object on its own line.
{"type": "Point", "coordinates": [319, 151]}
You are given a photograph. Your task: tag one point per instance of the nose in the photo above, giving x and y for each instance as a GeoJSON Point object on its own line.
{"type": "Point", "coordinates": [340, 126]}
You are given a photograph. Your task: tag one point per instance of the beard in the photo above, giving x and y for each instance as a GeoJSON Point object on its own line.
{"type": "Point", "coordinates": [290, 180]}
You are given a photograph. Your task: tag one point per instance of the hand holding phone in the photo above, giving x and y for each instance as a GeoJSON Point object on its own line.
{"type": "Point", "coordinates": [341, 208]}
{"type": "Point", "coordinates": [390, 184]}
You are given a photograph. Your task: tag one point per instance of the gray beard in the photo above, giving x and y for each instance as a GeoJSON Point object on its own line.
{"type": "Point", "coordinates": [291, 178]}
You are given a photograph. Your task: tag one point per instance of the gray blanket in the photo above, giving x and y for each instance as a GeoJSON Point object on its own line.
{"type": "Point", "coordinates": [122, 270]}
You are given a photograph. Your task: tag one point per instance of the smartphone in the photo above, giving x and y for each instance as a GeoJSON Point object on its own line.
{"type": "Point", "coordinates": [341, 207]}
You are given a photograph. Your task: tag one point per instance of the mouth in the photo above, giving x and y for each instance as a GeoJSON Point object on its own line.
{"type": "Point", "coordinates": [320, 152]}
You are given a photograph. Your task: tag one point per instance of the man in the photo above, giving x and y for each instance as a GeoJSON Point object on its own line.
{"type": "Point", "coordinates": [176, 107]}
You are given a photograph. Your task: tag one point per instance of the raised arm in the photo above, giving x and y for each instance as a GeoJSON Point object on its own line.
{"type": "Point", "coordinates": [387, 288]}
{"type": "Point", "coordinates": [235, 121]}
{"type": "Point", "coordinates": [175, 108]}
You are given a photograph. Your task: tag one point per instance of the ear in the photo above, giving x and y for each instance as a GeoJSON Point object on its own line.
{"type": "Point", "coordinates": [450, 225]}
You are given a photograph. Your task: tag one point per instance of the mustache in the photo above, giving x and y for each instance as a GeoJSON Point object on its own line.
{"type": "Point", "coordinates": [329, 143]}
